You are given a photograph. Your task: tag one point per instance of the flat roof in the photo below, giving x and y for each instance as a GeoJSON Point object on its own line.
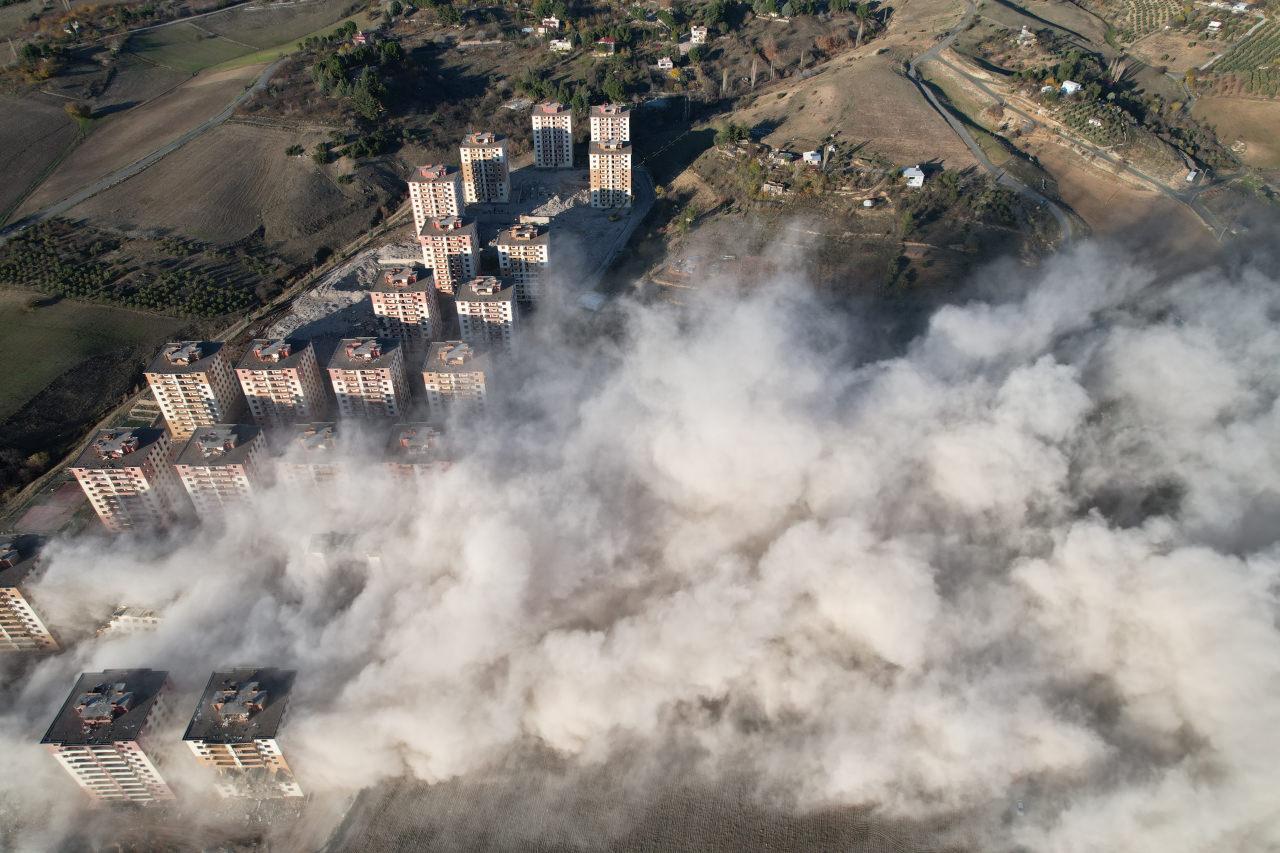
{"type": "Point", "coordinates": [118, 440]}
{"type": "Point", "coordinates": [610, 111]}
{"type": "Point", "coordinates": [426, 279]}
{"type": "Point", "coordinates": [455, 357]}
{"type": "Point", "coordinates": [483, 139]}
{"type": "Point", "coordinates": [19, 553]}
{"type": "Point", "coordinates": [415, 443]}
{"type": "Point", "coordinates": [185, 357]}
{"type": "Point", "coordinates": [241, 705]}
{"type": "Point", "coordinates": [474, 290]}
{"type": "Point", "coordinates": [551, 108]}
{"type": "Point", "coordinates": [443, 227]}
{"type": "Point", "coordinates": [317, 437]}
{"type": "Point", "coordinates": [609, 147]}
{"type": "Point", "coordinates": [105, 707]}
{"type": "Point", "coordinates": [218, 445]}
{"type": "Point", "coordinates": [270, 354]}
{"type": "Point", "coordinates": [364, 354]}
{"type": "Point", "coordinates": [434, 172]}
{"type": "Point", "coordinates": [524, 234]}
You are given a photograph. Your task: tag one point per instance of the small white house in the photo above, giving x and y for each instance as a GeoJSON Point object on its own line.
{"type": "Point", "coordinates": [914, 176]}
{"type": "Point", "coordinates": [549, 25]}
{"type": "Point", "coordinates": [1192, 175]}
{"type": "Point", "coordinates": [812, 158]}
{"type": "Point", "coordinates": [1070, 87]}
{"type": "Point", "coordinates": [560, 45]}
{"type": "Point", "coordinates": [1095, 122]}
{"type": "Point", "coordinates": [1215, 27]}
{"type": "Point", "coordinates": [665, 64]}
{"type": "Point", "coordinates": [697, 35]}
{"type": "Point", "coordinates": [868, 202]}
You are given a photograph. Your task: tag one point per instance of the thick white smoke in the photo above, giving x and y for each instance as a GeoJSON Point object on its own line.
{"type": "Point", "coordinates": [1022, 576]}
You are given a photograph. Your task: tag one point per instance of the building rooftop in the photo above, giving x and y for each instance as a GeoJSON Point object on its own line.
{"type": "Point", "coordinates": [486, 288]}
{"type": "Point", "coordinates": [185, 357]}
{"type": "Point", "coordinates": [118, 447]}
{"type": "Point", "coordinates": [434, 172]}
{"type": "Point", "coordinates": [217, 445]}
{"type": "Point", "coordinates": [454, 226]}
{"type": "Point", "coordinates": [483, 139]}
{"type": "Point", "coordinates": [415, 444]}
{"type": "Point", "coordinates": [610, 110]}
{"type": "Point", "coordinates": [551, 108]}
{"type": "Point", "coordinates": [19, 554]}
{"type": "Point", "coordinates": [241, 705]}
{"type": "Point", "coordinates": [105, 707]}
{"type": "Point", "coordinates": [524, 234]}
{"type": "Point", "coordinates": [273, 354]}
{"type": "Point", "coordinates": [609, 146]}
{"type": "Point", "coordinates": [403, 279]}
{"type": "Point", "coordinates": [364, 354]}
{"type": "Point", "coordinates": [455, 357]}
{"type": "Point", "coordinates": [313, 439]}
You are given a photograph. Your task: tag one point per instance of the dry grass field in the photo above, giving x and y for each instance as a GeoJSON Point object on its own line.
{"type": "Point", "coordinates": [1181, 55]}
{"type": "Point", "coordinates": [269, 26]}
{"type": "Point", "coordinates": [1256, 123]}
{"type": "Point", "coordinates": [134, 82]}
{"type": "Point", "coordinates": [119, 140]}
{"type": "Point", "coordinates": [33, 135]}
{"type": "Point", "coordinates": [234, 180]}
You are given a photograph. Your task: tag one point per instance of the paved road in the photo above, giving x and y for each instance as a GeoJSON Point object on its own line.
{"type": "Point", "coordinates": [1002, 177]}
{"type": "Point", "coordinates": [125, 173]}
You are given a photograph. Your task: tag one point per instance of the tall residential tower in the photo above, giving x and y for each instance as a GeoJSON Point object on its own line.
{"type": "Point", "coordinates": [552, 136]}
{"type": "Point", "coordinates": [485, 172]}
{"type": "Point", "coordinates": [194, 386]}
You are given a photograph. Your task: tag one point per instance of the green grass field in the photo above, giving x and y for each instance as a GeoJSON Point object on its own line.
{"type": "Point", "coordinates": [40, 344]}
{"type": "Point", "coordinates": [184, 47]}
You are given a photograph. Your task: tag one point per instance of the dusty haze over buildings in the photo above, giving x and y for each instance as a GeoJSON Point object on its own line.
{"type": "Point", "coordinates": [1020, 579]}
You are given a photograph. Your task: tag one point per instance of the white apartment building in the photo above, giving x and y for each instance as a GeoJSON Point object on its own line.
{"type": "Point", "coordinates": [451, 250]}
{"type": "Point", "coordinates": [415, 450]}
{"type": "Point", "coordinates": [524, 252]}
{"type": "Point", "coordinates": [485, 173]}
{"type": "Point", "coordinates": [104, 735]}
{"type": "Point", "coordinates": [194, 386]}
{"type": "Point", "coordinates": [454, 375]}
{"type": "Point", "coordinates": [21, 628]}
{"type": "Point", "coordinates": [487, 312]}
{"type": "Point", "coordinates": [281, 382]}
{"type": "Point", "coordinates": [610, 121]}
{"type": "Point", "coordinates": [221, 466]}
{"type": "Point", "coordinates": [125, 474]}
{"type": "Point", "coordinates": [610, 168]}
{"type": "Point", "coordinates": [369, 379]}
{"type": "Point", "coordinates": [435, 192]}
{"type": "Point", "coordinates": [404, 301]}
{"type": "Point", "coordinates": [310, 455]}
{"type": "Point", "coordinates": [552, 136]}
{"type": "Point", "coordinates": [235, 729]}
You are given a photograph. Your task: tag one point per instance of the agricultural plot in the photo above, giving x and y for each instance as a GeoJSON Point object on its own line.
{"type": "Point", "coordinates": [33, 135]}
{"type": "Point", "coordinates": [185, 47]}
{"type": "Point", "coordinates": [1147, 16]}
{"type": "Point", "coordinates": [1258, 52]}
{"type": "Point", "coordinates": [268, 26]}
{"type": "Point", "coordinates": [1097, 123]}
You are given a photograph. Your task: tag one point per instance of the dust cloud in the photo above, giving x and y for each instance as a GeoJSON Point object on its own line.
{"type": "Point", "coordinates": [1017, 581]}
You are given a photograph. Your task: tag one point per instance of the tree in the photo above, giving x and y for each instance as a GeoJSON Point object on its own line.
{"type": "Point", "coordinates": [396, 7]}
{"type": "Point", "coordinates": [863, 13]}
{"type": "Point", "coordinates": [77, 110]}
{"type": "Point", "coordinates": [366, 95]}
{"type": "Point", "coordinates": [696, 53]}
{"type": "Point", "coordinates": [613, 89]}
{"type": "Point", "coordinates": [294, 151]}
{"type": "Point", "coordinates": [838, 5]}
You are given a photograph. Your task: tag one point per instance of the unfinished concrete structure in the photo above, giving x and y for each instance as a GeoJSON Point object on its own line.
{"type": "Point", "coordinates": [610, 121]}
{"type": "Point", "coordinates": [104, 735]}
{"type": "Point", "coordinates": [454, 376]}
{"type": "Point", "coordinates": [404, 301]}
{"type": "Point", "coordinates": [368, 378]}
{"type": "Point", "coordinates": [552, 136]}
{"type": "Point", "coordinates": [485, 172]}
{"type": "Point", "coordinates": [487, 312]}
{"type": "Point", "coordinates": [451, 250]}
{"type": "Point", "coordinates": [310, 455]}
{"type": "Point", "coordinates": [21, 628]}
{"type": "Point", "coordinates": [434, 193]}
{"type": "Point", "coordinates": [524, 253]}
{"type": "Point", "coordinates": [125, 474]}
{"type": "Point", "coordinates": [415, 450]}
{"type": "Point", "coordinates": [280, 379]}
{"type": "Point", "coordinates": [221, 466]}
{"type": "Point", "coordinates": [235, 732]}
{"type": "Point", "coordinates": [610, 173]}
{"type": "Point", "coordinates": [194, 385]}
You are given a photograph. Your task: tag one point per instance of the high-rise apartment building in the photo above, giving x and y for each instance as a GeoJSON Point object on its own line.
{"type": "Point", "coordinates": [487, 312]}
{"type": "Point", "coordinates": [434, 193]}
{"type": "Point", "coordinates": [454, 375]}
{"type": "Point", "coordinates": [235, 732]}
{"type": "Point", "coordinates": [194, 386]}
{"type": "Point", "coordinates": [404, 301]}
{"type": "Point", "coordinates": [451, 250]}
{"type": "Point", "coordinates": [524, 252]}
{"type": "Point", "coordinates": [281, 382]}
{"type": "Point", "coordinates": [485, 174]}
{"type": "Point", "coordinates": [21, 628]}
{"type": "Point", "coordinates": [104, 735]}
{"type": "Point", "coordinates": [127, 619]}
{"type": "Point", "coordinates": [610, 173]}
{"type": "Point", "coordinates": [221, 466]}
{"type": "Point", "coordinates": [610, 121]}
{"type": "Point", "coordinates": [415, 450]}
{"type": "Point", "coordinates": [125, 474]}
{"type": "Point", "coordinates": [369, 379]}
{"type": "Point", "coordinates": [310, 455]}
{"type": "Point", "coordinates": [552, 136]}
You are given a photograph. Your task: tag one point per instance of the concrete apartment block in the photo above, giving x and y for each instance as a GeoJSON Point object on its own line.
{"type": "Point", "coordinates": [194, 385]}
{"type": "Point", "coordinates": [487, 312]}
{"type": "Point", "coordinates": [21, 628]}
{"type": "Point", "coordinates": [485, 171]}
{"type": "Point", "coordinates": [454, 375]}
{"type": "Point", "coordinates": [610, 121]}
{"type": "Point", "coordinates": [125, 474]}
{"type": "Point", "coordinates": [404, 301]}
{"type": "Point", "coordinates": [610, 172]}
{"type": "Point", "coordinates": [524, 252]}
{"type": "Point", "coordinates": [310, 455]}
{"type": "Point", "coordinates": [451, 250]}
{"type": "Point", "coordinates": [415, 450]}
{"type": "Point", "coordinates": [221, 466]}
{"type": "Point", "coordinates": [434, 193]}
{"type": "Point", "coordinates": [369, 379]}
{"type": "Point", "coordinates": [281, 382]}
{"type": "Point", "coordinates": [552, 136]}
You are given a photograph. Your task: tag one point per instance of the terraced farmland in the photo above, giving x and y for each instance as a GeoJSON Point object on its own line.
{"type": "Point", "coordinates": [1260, 51]}
{"type": "Point", "coordinates": [1097, 123]}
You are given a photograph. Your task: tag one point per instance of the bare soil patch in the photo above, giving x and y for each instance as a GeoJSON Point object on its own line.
{"type": "Point", "coordinates": [1255, 123]}
{"type": "Point", "coordinates": [1174, 51]}
{"type": "Point", "coordinates": [33, 134]}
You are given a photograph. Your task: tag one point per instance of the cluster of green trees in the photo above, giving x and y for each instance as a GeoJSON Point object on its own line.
{"type": "Point", "coordinates": [535, 85]}
{"type": "Point", "coordinates": [973, 192]}
{"type": "Point", "coordinates": [355, 73]}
